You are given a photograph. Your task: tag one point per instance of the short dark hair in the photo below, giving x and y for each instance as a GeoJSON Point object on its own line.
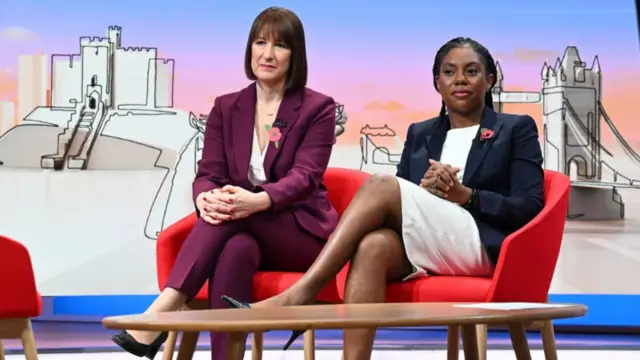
{"type": "Point", "coordinates": [283, 25]}
{"type": "Point", "coordinates": [483, 52]}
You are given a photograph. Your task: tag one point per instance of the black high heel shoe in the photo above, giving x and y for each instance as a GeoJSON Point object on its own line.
{"type": "Point", "coordinates": [133, 347]}
{"type": "Point", "coordinates": [233, 303]}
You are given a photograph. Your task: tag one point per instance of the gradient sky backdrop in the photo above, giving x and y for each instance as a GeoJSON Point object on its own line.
{"type": "Point", "coordinates": [375, 56]}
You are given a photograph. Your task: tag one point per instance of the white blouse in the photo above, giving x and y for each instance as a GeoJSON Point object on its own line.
{"type": "Point", "coordinates": [257, 175]}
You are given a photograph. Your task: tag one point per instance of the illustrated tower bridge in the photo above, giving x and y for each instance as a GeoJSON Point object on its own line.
{"type": "Point", "coordinates": [573, 117]}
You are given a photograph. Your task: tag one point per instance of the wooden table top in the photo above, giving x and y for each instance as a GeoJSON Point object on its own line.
{"type": "Point", "coordinates": [343, 316]}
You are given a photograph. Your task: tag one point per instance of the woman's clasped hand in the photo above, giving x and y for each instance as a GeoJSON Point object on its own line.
{"type": "Point", "coordinates": [215, 206]}
{"type": "Point", "coordinates": [442, 180]}
{"type": "Point", "coordinates": [230, 203]}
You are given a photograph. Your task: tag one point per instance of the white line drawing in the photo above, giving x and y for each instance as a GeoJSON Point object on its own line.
{"type": "Point", "coordinates": [111, 108]}
{"type": "Point", "coordinates": [341, 119]}
{"type": "Point", "coordinates": [374, 154]}
{"type": "Point", "coordinates": [103, 94]}
{"type": "Point", "coordinates": [571, 99]}
{"type": "Point", "coordinates": [573, 118]}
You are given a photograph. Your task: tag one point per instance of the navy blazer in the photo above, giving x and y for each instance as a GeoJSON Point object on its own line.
{"type": "Point", "coordinates": [505, 170]}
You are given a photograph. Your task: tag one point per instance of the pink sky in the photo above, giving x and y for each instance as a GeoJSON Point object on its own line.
{"type": "Point", "coordinates": [396, 97]}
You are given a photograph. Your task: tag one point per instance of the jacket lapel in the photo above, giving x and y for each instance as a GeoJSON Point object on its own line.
{"type": "Point", "coordinates": [242, 124]}
{"type": "Point", "coordinates": [479, 149]}
{"type": "Point", "coordinates": [288, 113]}
{"type": "Point", "coordinates": [435, 140]}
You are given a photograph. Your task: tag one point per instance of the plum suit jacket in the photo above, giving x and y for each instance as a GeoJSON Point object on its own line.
{"type": "Point", "coordinates": [294, 169]}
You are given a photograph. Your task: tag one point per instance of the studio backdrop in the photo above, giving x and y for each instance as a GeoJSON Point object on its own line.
{"type": "Point", "coordinates": [102, 112]}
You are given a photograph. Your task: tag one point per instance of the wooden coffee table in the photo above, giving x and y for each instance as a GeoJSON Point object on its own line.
{"type": "Point", "coordinates": [238, 322]}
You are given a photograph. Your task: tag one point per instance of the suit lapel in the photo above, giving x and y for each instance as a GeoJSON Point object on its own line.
{"type": "Point", "coordinates": [479, 149]}
{"type": "Point", "coordinates": [242, 124]}
{"type": "Point", "coordinates": [435, 140]}
{"type": "Point", "coordinates": [288, 113]}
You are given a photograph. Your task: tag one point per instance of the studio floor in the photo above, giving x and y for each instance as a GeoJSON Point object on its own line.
{"type": "Point", "coordinates": [58, 341]}
{"type": "Point", "coordinates": [377, 355]}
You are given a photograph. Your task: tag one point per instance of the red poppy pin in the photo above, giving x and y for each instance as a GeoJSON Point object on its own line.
{"type": "Point", "coordinates": [274, 134]}
{"type": "Point", "coordinates": [485, 134]}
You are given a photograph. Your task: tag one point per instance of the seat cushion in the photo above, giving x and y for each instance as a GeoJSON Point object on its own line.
{"type": "Point", "coordinates": [20, 306]}
{"type": "Point", "coordinates": [440, 289]}
{"type": "Point", "coordinates": [203, 294]}
{"type": "Point", "coordinates": [270, 283]}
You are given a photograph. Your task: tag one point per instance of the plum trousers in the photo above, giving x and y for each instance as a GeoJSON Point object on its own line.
{"type": "Point", "coordinates": [231, 253]}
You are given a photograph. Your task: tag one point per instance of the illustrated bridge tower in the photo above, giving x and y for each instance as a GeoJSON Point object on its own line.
{"type": "Point", "coordinates": [571, 94]}
{"type": "Point", "coordinates": [573, 115]}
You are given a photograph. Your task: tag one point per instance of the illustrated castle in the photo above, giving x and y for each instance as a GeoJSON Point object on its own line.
{"type": "Point", "coordinates": [103, 78]}
{"type": "Point", "coordinates": [140, 77]}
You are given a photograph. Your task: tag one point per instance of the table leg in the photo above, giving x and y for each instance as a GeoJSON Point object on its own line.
{"type": "Point", "coordinates": [310, 345]}
{"type": "Point", "coordinates": [470, 342]}
{"type": "Point", "coordinates": [549, 341]}
{"type": "Point", "coordinates": [237, 342]}
{"type": "Point", "coordinates": [519, 341]}
{"type": "Point", "coordinates": [257, 346]}
{"type": "Point", "coordinates": [453, 342]}
{"type": "Point", "coordinates": [482, 334]}
{"type": "Point", "coordinates": [188, 344]}
{"type": "Point", "coordinates": [170, 346]}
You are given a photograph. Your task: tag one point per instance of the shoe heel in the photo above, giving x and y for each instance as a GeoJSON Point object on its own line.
{"type": "Point", "coordinates": [127, 343]}
{"type": "Point", "coordinates": [152, 353]}
{"type": "Point", "coordinates": [294, 336]}
{"type": "Point", "coordinates": [155, 346]}
{"type": "Point", "coordinates": [235, 304]}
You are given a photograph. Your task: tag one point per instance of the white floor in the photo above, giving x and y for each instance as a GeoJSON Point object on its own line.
{"type": "Point", "coordinates": [378, 355]}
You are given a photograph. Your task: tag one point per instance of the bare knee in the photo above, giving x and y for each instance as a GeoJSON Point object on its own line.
{"type": "Point", "coordinates": [379, 248]}
{"type": "Point", "coordinates": [241, 247]}
{"type": "Point", "coordinates": [381, 187]}
{"type": "Point", "coordinates": [381, 182]}
{"type": "Point", "coordinates": [382, 250]}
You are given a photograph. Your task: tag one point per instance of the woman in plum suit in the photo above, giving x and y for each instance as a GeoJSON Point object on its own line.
{"type": "Point", "coordinates": [258, 190]}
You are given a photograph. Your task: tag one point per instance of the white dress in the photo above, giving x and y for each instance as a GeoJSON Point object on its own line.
{"type": "Point", "coordinates": [256, 164]}
{"type": "Point", "coordinates": [440, 236]}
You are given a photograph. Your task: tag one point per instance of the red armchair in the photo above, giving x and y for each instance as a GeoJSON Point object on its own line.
{"type": "Point", "coordinates": [536, 246]}
{"type": "Point", "coordinates": [342, 185]}
{"type": "Point", "coordinates": [523, 274]}
{"type": "Point", "coordinates": [19, 299]}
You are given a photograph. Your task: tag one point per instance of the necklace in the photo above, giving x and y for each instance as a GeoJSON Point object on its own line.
{"type": "Point", "coordinates": [270, 113]}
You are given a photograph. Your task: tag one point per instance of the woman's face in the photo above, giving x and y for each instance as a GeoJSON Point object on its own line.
{"type": "Point", "coordinates": [463, 80]}
{"type": "Point", "coordinates": [270, 60]}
